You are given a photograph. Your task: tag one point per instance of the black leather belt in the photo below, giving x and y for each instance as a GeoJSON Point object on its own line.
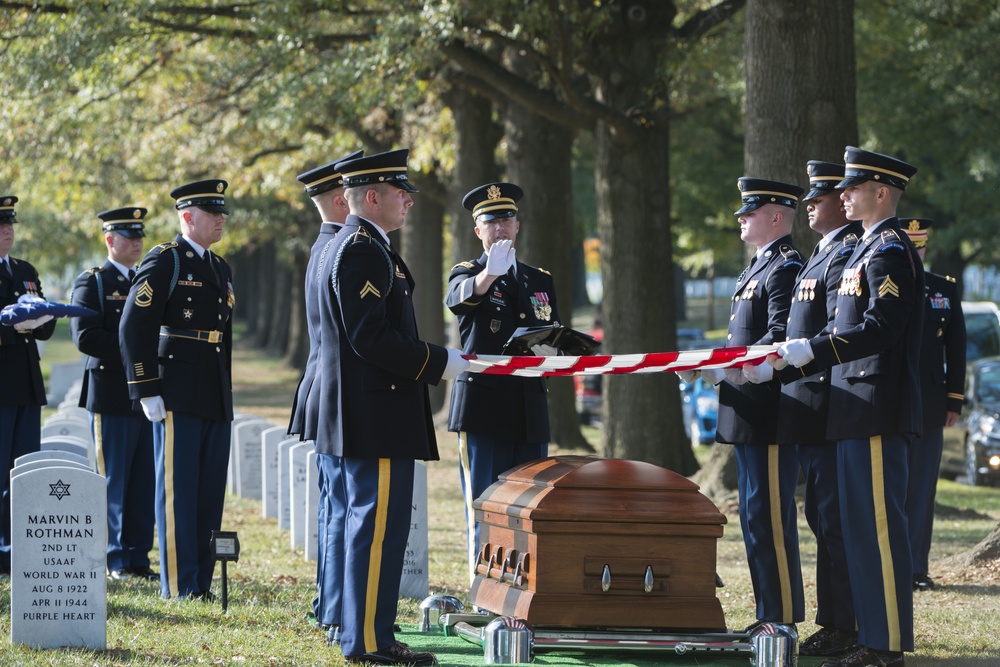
{"type": "Point", "coordinates": [192, 334]}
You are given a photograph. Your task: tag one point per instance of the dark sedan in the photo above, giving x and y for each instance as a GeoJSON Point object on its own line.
{"type": "Point", "coordinates": [982, 422]}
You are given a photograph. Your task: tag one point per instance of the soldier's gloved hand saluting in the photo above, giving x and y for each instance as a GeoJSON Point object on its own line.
{"type": "Point", "coordinates": [500, 258]}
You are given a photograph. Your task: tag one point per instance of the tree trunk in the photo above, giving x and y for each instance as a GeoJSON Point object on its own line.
{"type": "Point", "coordinates": [642, 413]}
{"type": "Point", "coordinates": [987, 550]}
{"type": "Point", "coordinates": [539, 159]}
{"type": "Point", "coordinates": [717, 478]}
{"type": "Point", "coordinates": [476, 138]}
{"type": "Point", "coordinates": [264, 275]}
{"type": "Point", "coordinates": [421, 237]}
{"type": "Point", "coordinates": [800, 100]}
{"type": "Point", "coordinates": [281, 309]}
{"type": "Point", "coordinates": [297, 351]}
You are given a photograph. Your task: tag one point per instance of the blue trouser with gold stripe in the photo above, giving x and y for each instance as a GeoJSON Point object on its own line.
{"type": "Point", "coordinates": [481, 461]}
{"type": "Point", "coordinates": [192, 461]}
{"type": "Point", "coordinates": [834, 604]}
{"type": "Point", "coordinates": [873, 475]}
{"type": "Point", "coordinates": [766, 477]}
{"type": "Point", "coordinates": [124, 449]}
{"type": "Point", "coordinates": [330, 543]}
{"type": "Point", "coordinates": [20, 434]}
{"type": "Point", "coordinates": [925, 463]}
{"type": "Point", "coordinates": [379, 499]}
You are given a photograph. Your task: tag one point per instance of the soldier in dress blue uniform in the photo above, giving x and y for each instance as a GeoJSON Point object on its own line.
{"type": "Point", "coordinates": [325, 185]}
{"type": "Point", "coordinates": [122, 434]}
{"type": "Point", "coordinates": [492, 296]}
{"type": "Point", "coordinates": [942, 385]}
{"type": "Point", "coordinates": [176, 342]}
{"type": "Point", "coordinates": [802, 408]}
{"type": "Point", "coordinates": [767, 472]}
{"type": "Point", "coordinates": [873, 348]}
{"type": "Point", "coordinates": [22, 392]}
{"type": "Point", "coordinates": [376, 410]}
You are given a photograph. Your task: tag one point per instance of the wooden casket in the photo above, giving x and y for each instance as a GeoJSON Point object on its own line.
{"type": "Point", "coordinates": [583, 542]}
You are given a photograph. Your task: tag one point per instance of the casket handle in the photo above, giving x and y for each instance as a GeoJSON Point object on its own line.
{"type": "Point", "coordinates": [606, 579]}
{"type": "Point", "coordinates": [647, 581]}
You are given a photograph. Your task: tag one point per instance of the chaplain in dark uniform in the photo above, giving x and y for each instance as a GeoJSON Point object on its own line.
{"type": "Point", "coordinates": [873, 349]}
{"type": "Point", "coordinates": [803, 405]}
{"type": "Point", "coordinates": [176, 341]}
{"type": "Point", "coordinates": [942, 386]}
{"type": "Point", "coordinates": [501, 421]}
{"type": "Point", "coordinates": [376, 410]}
{"type": "Point", "coordinates": [22, 392]}
{"type": "Point", "coordinates": [325, 185]}
{"type": "Point", "coordinates": [766, 471]}
{"type": "Point", "coordinates": [122, 435]}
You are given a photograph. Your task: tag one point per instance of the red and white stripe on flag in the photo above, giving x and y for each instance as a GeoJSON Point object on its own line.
{"type": "Point", "coordinates": [619, 364]}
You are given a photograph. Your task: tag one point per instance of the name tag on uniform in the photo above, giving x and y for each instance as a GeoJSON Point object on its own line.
{"type": "Point", "coordinates": [496, 297]}
{"type": "Point", "coordinates": [189, 283]}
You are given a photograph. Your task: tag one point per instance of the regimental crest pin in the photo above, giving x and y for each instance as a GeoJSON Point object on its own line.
{"type": "Point", "coordinates": [494, 326]}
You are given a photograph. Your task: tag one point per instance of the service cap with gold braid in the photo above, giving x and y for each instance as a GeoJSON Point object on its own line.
{"type": "Point", "coordinates": [861, 166]}
{"type": "Point", "coordinates": [207, 195]}
{"type": "Point", "coordinates": [823, 178]}
{"type": "Point", "coordinates": [916, 229]}
{"type": "Point", "coordinates": [323, 179]}
{"type": "Point", "coordinates": [387, 167]}
{"type": "Point", "coordinates": [758, 191]}
{"type": "Point", "coordinates": [493, 200]}
{"type": "Point", "coordinates": [7, 216]}
{"type": "Point", "coordinates": [125, 221]}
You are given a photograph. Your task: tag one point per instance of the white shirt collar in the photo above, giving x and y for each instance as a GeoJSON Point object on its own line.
{"type": "Point", "coordinates": [874, 228]}
{"type": "Point", "coordinates": [201, 251]}
{"type": "Point", "coordinates": [121, 267]}
{"type": "Point", "coordinates": [381, 231]}
{"type": "Point", "coordinates": [830, 236]}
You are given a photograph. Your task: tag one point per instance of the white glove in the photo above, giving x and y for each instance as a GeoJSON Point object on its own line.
{"type": "Point", "coordinates": [713, 376]}
{"type": "Point", "coordinates": [500, 258]}
{"type": "Point", "coordinates": [797, 352]}
{"type": "Point", "coordinates": [735, 375]}
{"type": "Point", "coordinates": [688, 376]}
{"type": "Point", "coordinates": [153, 408]}
{"type": "Point", "coordinates": [543, 350]}
{"type": "Point", "coordinates": [28, 325]}
{"type": "Point", "coordinates": [757, 374]}
{"type": "Point", "coordinates": [776, 362]}
{"type": "Point", "coordinates": [456, 364]}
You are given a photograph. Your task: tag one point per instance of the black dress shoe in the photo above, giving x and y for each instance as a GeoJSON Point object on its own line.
{"type": "Point", "coordinates": [333, 636]}
{"type": "Point", "coordinates": [394, 655]}
{"type": "Point", "coordinates": [867, 657]}
{"type": "Point", "coordinates": [921, 582]}
{"type": "Point", "coordinates": [829, 642]}
{"type": "Point", "coordinates": [143, 573]}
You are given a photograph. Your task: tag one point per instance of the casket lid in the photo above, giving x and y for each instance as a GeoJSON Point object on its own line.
{"type": "Point", "coordinates": [586, 488]}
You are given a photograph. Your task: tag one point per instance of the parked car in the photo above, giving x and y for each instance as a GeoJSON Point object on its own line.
{"type": "Point", "coordinates": [982, 422]}
{"type": "Point", "coordinates": [982, 335]}
{"type": "Point", "coordinates": [700, 407]}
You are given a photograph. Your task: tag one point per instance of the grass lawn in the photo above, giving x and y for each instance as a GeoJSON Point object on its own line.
{"type": "Point", "coordinates": [271, 587]}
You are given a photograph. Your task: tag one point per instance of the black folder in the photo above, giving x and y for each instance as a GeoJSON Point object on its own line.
{"type": "Point", "coordinates": [568, 341]}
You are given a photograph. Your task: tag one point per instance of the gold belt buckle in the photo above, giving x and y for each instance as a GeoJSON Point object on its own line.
{"type": "Point", "coordinates": [214, 336]}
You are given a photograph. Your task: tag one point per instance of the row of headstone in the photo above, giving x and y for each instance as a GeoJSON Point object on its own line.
{"type": "Point", "coordinates": [280, 471]}
{"type": "Point", "coordinates": [59, 537]}
{"type": "Point", "coordinates": [68, 429]}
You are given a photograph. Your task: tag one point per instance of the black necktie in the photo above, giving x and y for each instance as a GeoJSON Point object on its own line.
{"type": "Point", "coordinates": [131, 275]}
{"type": "Point", "coordinates": [7, 269]}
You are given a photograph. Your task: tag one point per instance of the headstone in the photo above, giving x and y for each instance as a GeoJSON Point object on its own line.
{"type": "Point", "coordinates": [52, 463]}
{"type": "Point", "coordinates": [297, 479]}
{"type": "Point", "coordinates": [53, 455]}
{"type": "Point", "coordinates": [67, 426]}
{"type": "Point", "coordinates": [58, 558]}
{"type": "Point", "coordinates": [71, 411]}
{"type": "Point", "coordinates": [62, 376]}
{"type": "Point", "coordinates": [248, 474]}
{"type": "Point", "coordinates": [413, 583]}
{"type": "Point", "coordinates": [311, 547]}
{"type": "Point", "coordinates": [269, 440]}
{"type": "Point", "coordinates": [238, 419]}
{"type": "Point", "coordinates": [72, 444]}
{"type": "Point", "coordinates": [284, 483]}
